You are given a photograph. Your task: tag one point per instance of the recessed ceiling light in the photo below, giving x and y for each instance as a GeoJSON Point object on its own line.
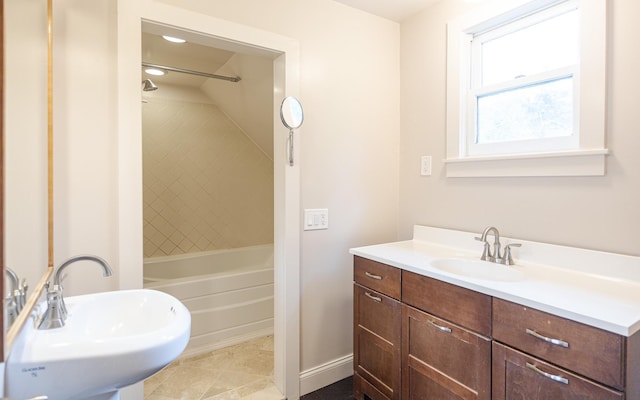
{"type": "Point", "coordinates": [173, 39]}
{"type": "Point", "coordinates": [154, 71]}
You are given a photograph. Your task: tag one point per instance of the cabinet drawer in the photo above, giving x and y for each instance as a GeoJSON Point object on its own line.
{"type": "Point", "coordinates": [377, 313]}
{"type": "Point", "coordinates": [588, 351]}
{"type": "Point", "coordinates": [377, 276]}
{"type": "Point", "coordinates": [519, 376]}
{"type": "Point", "coordinates": [453, 303]}
{"type": "Point", "coordinates": [442, 360]}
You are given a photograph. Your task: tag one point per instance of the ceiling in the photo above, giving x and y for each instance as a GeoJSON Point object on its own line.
{"type": "Point", "coordinates": [395, 10]}
{"type": "Point", "coordinates": [189, 55]}
{"type": "Point", "coordinates": [197, 56]}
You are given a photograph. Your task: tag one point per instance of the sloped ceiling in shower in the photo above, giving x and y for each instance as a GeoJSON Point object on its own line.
{"type": "Point", "coordinates": [249, 103]}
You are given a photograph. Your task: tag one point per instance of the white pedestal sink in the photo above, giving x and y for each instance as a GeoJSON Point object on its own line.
{"type": "Point", "coordinates": [110, 340]}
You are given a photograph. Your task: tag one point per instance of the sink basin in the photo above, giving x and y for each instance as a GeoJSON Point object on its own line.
{"type": "Point", "coordinates": [110, 340]}
{"type": "Point", "coordinates": [478, 269]}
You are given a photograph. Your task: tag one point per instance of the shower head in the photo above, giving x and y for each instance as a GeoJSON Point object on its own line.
{"type": "Point", "coordinates": [148, 86]}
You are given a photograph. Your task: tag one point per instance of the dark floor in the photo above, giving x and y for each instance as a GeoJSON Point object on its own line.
{"type": "Point", "coordinates": [341, 390]}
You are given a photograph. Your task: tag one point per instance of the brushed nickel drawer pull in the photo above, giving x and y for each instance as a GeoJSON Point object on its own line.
{"type": "Point", "coordinates": [556, 342]}
{"type": "Point", "coordinates": [372, 276]}
{"type": "Point", "coordinates": [548, 375]}
{"type": "Point", "coordinates": [442, 328]}
{"type": "Point", "coordinates": [372, 297]}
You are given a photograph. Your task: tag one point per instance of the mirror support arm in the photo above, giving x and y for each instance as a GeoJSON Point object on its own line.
{"type": "Point", "coordinates": [291, 147]}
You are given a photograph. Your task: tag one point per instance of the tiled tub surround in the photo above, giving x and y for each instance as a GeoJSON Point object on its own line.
{"type": "Point", "coordinates": [206, 184]}
{"type": "Point", "coordinates": [595, 288]}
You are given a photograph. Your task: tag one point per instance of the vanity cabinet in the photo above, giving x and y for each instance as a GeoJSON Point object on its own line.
{"type": "Point", "coordinates": [377, 330]}
{"type": "Point", "coordinates": [418, 338]}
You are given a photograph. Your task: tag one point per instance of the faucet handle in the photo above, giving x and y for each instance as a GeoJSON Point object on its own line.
{"type": "Point", "coordinates": [486, 251]}
{"type": "Point", "coordinates": [508, 259]}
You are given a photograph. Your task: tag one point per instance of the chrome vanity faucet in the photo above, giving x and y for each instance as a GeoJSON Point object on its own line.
{"type": "Point", "coordinates": [56, 313]}
{"type": "Point", "coordinates": [495, 256]}
{"type": "Point", "coordinates": [16, 297]}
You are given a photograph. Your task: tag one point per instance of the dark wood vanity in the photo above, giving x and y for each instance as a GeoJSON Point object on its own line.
{"type": "Point", "coordinates": [419, 338]}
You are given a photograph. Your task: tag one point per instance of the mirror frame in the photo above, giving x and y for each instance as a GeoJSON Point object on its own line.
{"type": "Point", "coordinates": [290, 109]}
{"type": "Point", "coordinates": [14, 329]}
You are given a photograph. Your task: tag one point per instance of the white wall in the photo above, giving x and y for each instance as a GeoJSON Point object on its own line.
{"type": "Point", "coordinates": [85, 141]}
{"type": "Point", "coordinates": [600, 213]}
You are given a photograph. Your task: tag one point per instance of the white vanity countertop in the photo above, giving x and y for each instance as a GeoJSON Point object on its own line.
{"type": "Point", "coordinates": [596, 288]}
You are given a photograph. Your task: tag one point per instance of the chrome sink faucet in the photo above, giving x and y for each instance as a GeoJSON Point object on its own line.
{"type": "Point", "coordinates": [56, 313]}
{"type": "Point", "coordinates": [16, 297]}
{"type": "Point", "coordinates": [487, 255]}
{"type": "Point", "coordinates": [495, 256]}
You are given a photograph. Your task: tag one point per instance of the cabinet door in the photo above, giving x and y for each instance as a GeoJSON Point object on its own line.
{"type": "Point", "coordinates": [363, 390]}
{"type": "Point", "coordinates": [517, 376]}
{"type": "Point", "coordinates": [443, 361]}
{"type": "Point", "coordinates": [377, 328]}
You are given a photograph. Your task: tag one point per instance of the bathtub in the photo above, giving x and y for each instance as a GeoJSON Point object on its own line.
{"type": "Point", "coordinates": [228, 292]}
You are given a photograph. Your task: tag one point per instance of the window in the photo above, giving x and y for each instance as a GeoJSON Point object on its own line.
{"type": "Point", "coordinates": [526, 90]}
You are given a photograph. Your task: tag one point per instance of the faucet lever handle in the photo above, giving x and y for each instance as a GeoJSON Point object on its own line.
{"type": "Point", "coordinates": [486, 250]}
{"type": "Point", "coordinates": [508, 259]}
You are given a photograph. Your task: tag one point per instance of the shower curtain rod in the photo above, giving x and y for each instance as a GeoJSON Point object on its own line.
{"type": "Point", "coordinates": [191, 72]}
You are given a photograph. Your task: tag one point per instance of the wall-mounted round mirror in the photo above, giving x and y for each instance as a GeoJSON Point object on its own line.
{"type": "Point", "coordinates": [292, 116]}
{"type": "Point", "coordinates": [291, 112]}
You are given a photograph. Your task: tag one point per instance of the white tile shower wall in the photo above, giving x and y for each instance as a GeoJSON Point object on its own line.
{"type": "Point", "coordinates": [206, 185]}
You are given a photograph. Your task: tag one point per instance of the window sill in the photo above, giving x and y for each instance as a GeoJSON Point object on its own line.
{"type": "Point", "coordinates": [569, 163]}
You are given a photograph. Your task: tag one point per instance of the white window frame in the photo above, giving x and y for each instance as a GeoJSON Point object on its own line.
{"type": "Point", "coordinates": [585, 156]}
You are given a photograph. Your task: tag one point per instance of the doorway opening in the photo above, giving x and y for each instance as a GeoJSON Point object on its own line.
{"type": "Point", "coordinates": [225, 35]}
{"type": "Point", "coordinates": [208, 204]}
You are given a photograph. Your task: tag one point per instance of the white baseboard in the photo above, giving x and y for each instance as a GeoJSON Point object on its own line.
{"type": "Point", "coordinates": [325, 374]}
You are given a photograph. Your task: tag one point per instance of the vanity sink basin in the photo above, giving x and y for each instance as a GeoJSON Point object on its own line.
{"type": "Point", "coordinates": [110, 340]}
{"type": "Point", "coordinates": [478, 269]}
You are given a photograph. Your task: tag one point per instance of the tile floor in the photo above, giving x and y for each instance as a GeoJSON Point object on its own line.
{"type": "Point", "coordinates": [240, 372]}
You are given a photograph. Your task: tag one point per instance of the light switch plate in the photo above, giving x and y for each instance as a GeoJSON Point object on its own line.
{"type": "Point", "coordinates": [316, 218]}
{"type": "Point", "coordinates": [425, 165]}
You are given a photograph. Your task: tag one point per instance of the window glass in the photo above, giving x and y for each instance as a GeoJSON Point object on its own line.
{"type": "Point", "coordinates": [548, 44]}
{"type": "Point", "coordinates": [542, 110]}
